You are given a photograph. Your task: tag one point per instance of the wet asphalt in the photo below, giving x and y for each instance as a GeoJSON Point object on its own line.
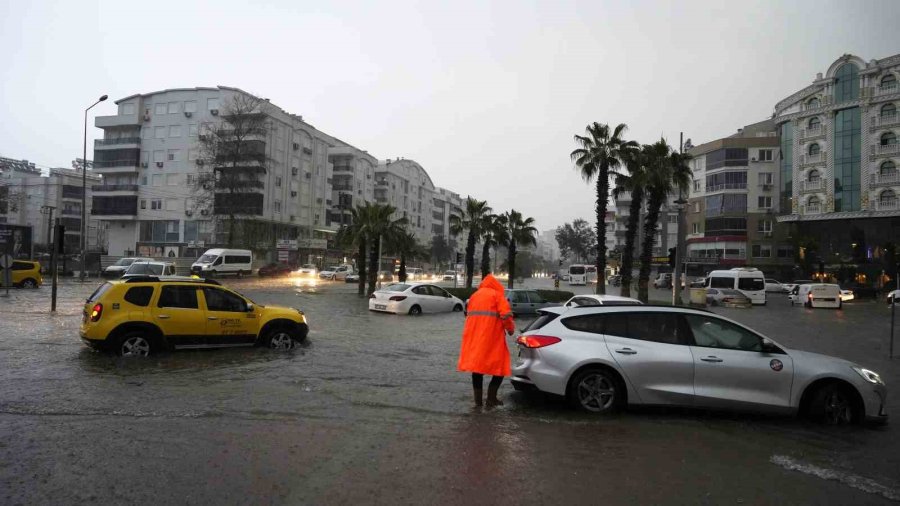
{"type": "Point", "coordinates": [371, 410]}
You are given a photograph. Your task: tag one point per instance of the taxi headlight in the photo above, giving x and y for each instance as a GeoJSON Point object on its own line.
{"type": "Point", "coordinates": [870, 376]}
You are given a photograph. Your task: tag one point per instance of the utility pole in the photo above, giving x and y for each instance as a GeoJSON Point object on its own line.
{"type": "Point", "coordinates": [679, 245]}
{"type": "Point", "coordinates": [54, 247]}
{"type": "Point", "coordinates": [48, 210]}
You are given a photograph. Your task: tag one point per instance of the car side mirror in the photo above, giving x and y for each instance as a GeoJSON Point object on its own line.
{"type": "Point", "coordinates": [769, 346]}
{"type": "Point", "coordinates": [249, 308]}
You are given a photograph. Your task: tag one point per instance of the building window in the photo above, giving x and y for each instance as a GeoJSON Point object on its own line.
{"type": "Point", "coordinates": [888, 168]}
{"type": "Point", "coordinates": [156, 204]}
{"type": "Point", "coordinates": [673, 218]}
{"type": "Point", "coordinates": [172, 155]}
{"type": "Point", "coordinates": [695, 228]}
{"type": "Point", "coordinates": [127, 109]}
{"type": "Point", "coordinates": [191, 179]}
{"type": "Point", "coordinates": [888, 110]}
{"type": "Point", "coordinates": [192, 130]}
{"type": "Point", "coordinates": [812, 103]}
{"type": "Point", "coordinates": [145, 157]}
{"type": "Point", "coordinates": [785, 252]}
{"type": "Point", "coordinates": [764, 202]}
{"type": "Point", "coordinates": [160, 109]}
{"type": "Point", "coordinates": [212, 103]}
{"type": "Point", "coordinates": [813, 204]}
{"type": "Point", "coordinates": [761, 251]}
{"type": "Point", "coordinates": [143, 180]}
{"type": "Point", "coordinates": [143, 204]}
{"type": "Point", "coordinates": [888, 198]}
{"type": "Point", "coordinates": [765, 178]}
{"type": "Point", "coordinates": [765, 155]}
{"type": "Point", "coordinates": [175, 131]}
{"type": "Point", "coordinates": [174, 107]}
{"type": "Point", "coordinates": [696, 207]}
{"type": "Point", "coordinates": [764, 226]}
{"type": "Point", "coordinates": [726, 181]}
{"type": "Point", "coordinates": [888, 80]}
{"type": "Point", "coordinates": [728, 157]}
{"type": "Point", "coordinates": [159, 132]}
{"type": "Point", "coordinates": [696, 185]}
{"type": "Point", "coordinates": [726, 203]}
{"type": "Point", "coordinates": [276, 205]}
{"type": "Point", "coordinates": [277, 180]}
{"type": "Point", "coordinates": [159, 156]}
{"type": "Point", "coordinates": [814, 149]}
{"type": "Point", "coordinates": [814, 176]}
{"type": "Point", "coordinates": [814, 123]}
{"type": "Point", "coordinates": [846, 83]}
{"type": "Point", "coordinates": [190, 106]}
{"type": "Point", "coordinates": [888, 138]}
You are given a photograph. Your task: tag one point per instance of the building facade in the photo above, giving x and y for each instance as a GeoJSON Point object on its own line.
{"type": "Point", "coordinates": [733, 203]}
{"type": "Point", "coordinates": [840, 153]}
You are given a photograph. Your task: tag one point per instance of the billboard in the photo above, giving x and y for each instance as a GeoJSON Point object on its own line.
{"type": "Point", "coordinates": [15, 240]}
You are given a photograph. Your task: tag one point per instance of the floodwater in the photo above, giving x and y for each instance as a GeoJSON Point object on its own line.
{"type": "Point", "coordinates": [370, 409]}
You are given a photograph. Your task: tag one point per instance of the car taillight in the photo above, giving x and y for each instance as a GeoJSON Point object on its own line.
{"type": "Point", "coordinates": [96, 312]}
{"type": "Point", "coordinates": [537, 341]}
{"type": "Point", "coordinates": [398, 298]}
{"type": "Point", "coordinates": [809, 296]}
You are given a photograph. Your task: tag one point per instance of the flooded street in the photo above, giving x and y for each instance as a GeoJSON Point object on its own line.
{"type": "Point", "coordinates": [371, 409]}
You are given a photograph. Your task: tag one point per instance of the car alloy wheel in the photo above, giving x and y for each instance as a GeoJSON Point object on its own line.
{"type": "Point", "coordinates": [457, 308]}
{"type": "Point", "coordinates": [29, 283]}
{"type": "Point", "coordinates": [415, 310]}
{"type": "Point", "coordinates": [595, 391]}
{"type": "Point", "coordinates": [134, 346]}
{"type": "Point", "coordinates": [838, 410]}
{"type": "Point", "coordinates": [281, 340]}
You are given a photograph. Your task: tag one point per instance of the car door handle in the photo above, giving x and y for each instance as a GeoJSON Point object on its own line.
{"type": "Point", "coordinates": [626, 351]}
{"type": "Point", "coordinates": [212, 317]}
{"type": "Point", "coordinates": [163, 316]}
{"type": "Point", "coordinates": [711, 359]}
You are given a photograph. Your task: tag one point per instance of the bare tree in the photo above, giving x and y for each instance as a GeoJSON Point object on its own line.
{"type": "Point", "coordinates": [232, 157]}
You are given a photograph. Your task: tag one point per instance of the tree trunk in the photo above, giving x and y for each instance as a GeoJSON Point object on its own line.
{"type": "Point", "coordinates": [373, 266]}
{"type": "Point", "coordinates": [485, 259]}
{"type": "Point", "coordinates": [634, 213]}
{"type": "Point", "coordinates": [401, 274]}
{"type": "Point", "coordinates": [361, 264]}
{"type": "Point", "coordinates": [470, 258]}
{"type": "Point", "coordinates": [602, 198]}
{"type": "Point", "coordinates": [650, 223]}
{"type": "Point", "coordinates": [511, 262]}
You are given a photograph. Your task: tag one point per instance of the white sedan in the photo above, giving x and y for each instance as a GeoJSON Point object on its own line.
{"type": "Point", "coordinates": [414, 298]}
{"type": "Point", "coordinates": [847, 295]}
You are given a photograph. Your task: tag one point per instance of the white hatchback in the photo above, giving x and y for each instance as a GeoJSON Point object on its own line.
{"type": "Point", "coordinates": [414, 298]}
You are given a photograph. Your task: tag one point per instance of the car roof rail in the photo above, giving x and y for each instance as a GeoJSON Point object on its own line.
{"type": "Point", "coordinates": [142, 279]}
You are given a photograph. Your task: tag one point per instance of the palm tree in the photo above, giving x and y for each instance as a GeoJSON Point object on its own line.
{"type": "Point", "coordinates": [491, 229]}
{"type": "Point", "coordinates": [667, 171]}
{"type": "Point", "coordinates": [631, 182]}
{"type": "Point", "coordinates": [517, 230]}
{"type": "Point", "coordinates": [355, 235]}
{"type": "Point", "coordinates": [406, 247]}
{"type": "Point", "coordinates": [599, 155]}
{"type": "Point", "coordinates": [379, 225]}
{"type": "Point", "coordinates": [470, 220]}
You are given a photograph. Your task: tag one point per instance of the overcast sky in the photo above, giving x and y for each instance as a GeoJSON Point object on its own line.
{"type": "Point", "coordinates": [485, 95]}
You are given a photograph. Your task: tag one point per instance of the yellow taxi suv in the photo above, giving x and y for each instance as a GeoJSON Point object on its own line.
{"type": "Point", "coordinates": [144, 315]}
{"type": "Point", "coordinates": [24, 274]}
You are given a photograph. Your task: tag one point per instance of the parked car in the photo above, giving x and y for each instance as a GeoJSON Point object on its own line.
{"type": "Point", "coordinates": [141, 316]}
{"type": "Point", "coordinates": [138, 269]}
{"type": "Point", "coordinates": [846, 295]}
{"type": "Point", "coordinates": [773, 285]}
{"type": "Point", "coordinates": [748, 280]}
{"type": "Point", "coordinates": [698, 282]}
{"type": "Point", "coordinates": [117, 269]}
{"type": "Point", "coordinates": [23, 274]}
{"type": "Point", "coordinates": [307, 270]}
{"type": "Point", "coordinates": [603, 359]}
{"type": "Point", "coordinates": [893, 297]}
{"type": "Point", "coordinates": [218, 262]}
{"type": "Point", "coordinates": [450, 275]}
{"type": "Point", "coordinates": [615, 280]}
{"type": "Point", "coordinates": [336, 273]}
{"type": "Point", "coordinates": [414, 299]}
{"type": "Point", "coordinates": [523, 301]}
{"type": "Point", "coordinates": [592, 300]}
{"type": "Point", "coordinates": [813, 295]}
{"type": "Point", "coordinates": [275, 269]}
{"type": "Point", "coordinates": [727, 297]}
{"type": "Point", "coordinates": [663, 281]}
{"type": "Point", "coordinates": [352, 278]}
{"type": "Point", "coordinates": [385, 276]}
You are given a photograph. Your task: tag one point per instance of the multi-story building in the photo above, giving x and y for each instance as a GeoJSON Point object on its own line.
{"type": "Point", "coordinates": [733, 203]}
{"type": "Point", "coordinates": [666, 232]}
{"type": "Point", "coordinates": [353, 181]}
{"type": "Point", "coordinates": [30, 195]}
{"type": "Point", "coordinates": [840, 152]}
{"type": "Point", "coordinates": [406, 186]}
{"type": "Point", "coordinates": [148, 158]}
{"type": "Point", "coordinates": [446, 204]}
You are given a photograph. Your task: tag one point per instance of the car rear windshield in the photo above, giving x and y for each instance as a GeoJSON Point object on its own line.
{"type": "Point", "coordinates": [752, 284]}
{"type": "Point", "coordinates": [576, 270]}
{"type": "Point", "coordinates": [145, 269]}
{"type": "Point", "coordinates": [540, 321]}
{"type": "Point", "coordinates": [99, 292]}
{"type": "Point", "coordinates": [396, 287]}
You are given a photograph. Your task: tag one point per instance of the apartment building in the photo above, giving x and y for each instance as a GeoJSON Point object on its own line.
{"type": "Point", "coordinates": [26, 194]}
{"type": "Point", "coordinates": [446, 204]}
{"type": "Point", "coordinates": [149, 155]}
{"type": "Point", "coordinates": [666, 232]}
{"type": "Point", "coordinates": [733, 203]}
{"type": "Point", "coordinates": [839, 181]}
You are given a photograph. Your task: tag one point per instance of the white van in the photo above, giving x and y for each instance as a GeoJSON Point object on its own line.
{"type": "Point", "coordinates": [577, 274]}
{"type": "Point", "coordinates": [818, 295]}
{"type": "Point", "coordinates": [748, 280]}
{"type": "Point", "coordinates": [219, 261]}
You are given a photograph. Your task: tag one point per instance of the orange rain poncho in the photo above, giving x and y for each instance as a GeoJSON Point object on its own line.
{"type": "Point", "coordinates": [489, 316]}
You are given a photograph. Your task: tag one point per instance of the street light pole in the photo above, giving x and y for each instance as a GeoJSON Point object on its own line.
{"type": "Point", "coordinates": [679, 245]}
{"type": "Point", "coordinates": [84, 164]}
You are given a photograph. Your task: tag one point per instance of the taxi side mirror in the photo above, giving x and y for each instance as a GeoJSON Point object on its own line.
{"type": "Point", "coordinates": [249, 308]}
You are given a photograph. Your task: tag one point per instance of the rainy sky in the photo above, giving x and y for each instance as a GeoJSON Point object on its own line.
{"type": "Point", "coordinates": [485, 95]}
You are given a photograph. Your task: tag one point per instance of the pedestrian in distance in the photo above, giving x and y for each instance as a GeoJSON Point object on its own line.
{"type": "Point", "coordinates": [484, 351]}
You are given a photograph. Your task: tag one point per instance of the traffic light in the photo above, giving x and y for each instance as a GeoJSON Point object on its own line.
{"type": "Point", "coordinates": [672, 257]}
{"type": "Point", "coordinates": [61, 239]}
{"type": "Point", "coordinates": [458, 257]}
{"type": "Point", "coordinates": [560, 262]}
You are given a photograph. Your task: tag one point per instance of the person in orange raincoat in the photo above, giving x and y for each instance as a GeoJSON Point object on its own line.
{"type": "Point", "coordinates": [484, 349]}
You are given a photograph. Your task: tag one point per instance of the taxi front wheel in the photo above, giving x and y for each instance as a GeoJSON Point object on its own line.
{"type": "Point", "coordinates": [280, 339]}
{"type": "Point", "coordinates": [135, 344]}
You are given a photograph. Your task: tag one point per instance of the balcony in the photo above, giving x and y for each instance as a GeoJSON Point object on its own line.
{"type": "Point", "coordinates": [888, 205]}
{"type": "Point", "coordinates": [241, 186]}
{"type": "Point", "coordinates": [342, 187]}
{"type": "Point", "coordinates": [343, 168]}
{"type": "Point", "coordinates": [114, 188]}
{"type": "Point", "coordinates": [382, 183]}
{"type": "Point", "coordinates": [885, 120]}
{"type": "Point", "coordinates": [122, 141]}
{"type": "Point", "coordinates": [886, 179]}
{"type": "Point", "coordinates": [812, 186]}
{"type": "Point", "coordinates": [887, 149]}
{"type": "Point", "coordinates": [117, 121]}
{"type": "Point", "coordinates": [812, 209]}
{"type": "Point", "coordinates": [812, 133]}
{"type": "Point", "coordinates": [826, 101]}
{"type": "Point", "coordinates": [726, 186]}
{"type": "Point", "coordinates": [807, 159]}
{"type": "Point", "coordinates": [114, 166]}
{"type": "Point", "coordinates": [890, 89]}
